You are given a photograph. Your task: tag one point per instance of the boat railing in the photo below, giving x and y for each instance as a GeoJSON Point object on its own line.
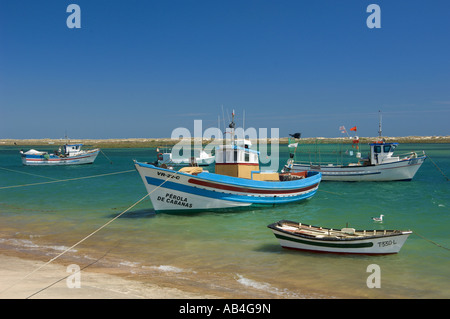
{"type": "Point", "coordinates": [412, 154]}
{"type": "Point", "coordinates": [318, 164]}
{"type": "Point", "coordinates": [316, 231]}
{"type": "Point", "coordinates": [327, 155]}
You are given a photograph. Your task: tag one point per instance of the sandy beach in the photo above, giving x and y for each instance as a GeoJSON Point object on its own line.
{"type": "Point", "coordinates": [17, 281]}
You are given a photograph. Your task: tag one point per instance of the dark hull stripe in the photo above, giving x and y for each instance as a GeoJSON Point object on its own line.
{"type": "Point", "coordinates": [250, 190]}
{"type": "Point", "coordinates": [325, 244]}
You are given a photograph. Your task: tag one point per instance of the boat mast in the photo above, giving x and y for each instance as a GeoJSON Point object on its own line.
{"type": "Point", "coordinates": [232, 125]}
{"type": "Point", "coordinates": [379, 125]}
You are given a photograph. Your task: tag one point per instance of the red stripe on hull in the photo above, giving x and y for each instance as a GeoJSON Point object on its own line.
{"type": "Point", "coordinates": [42, 159]}
{"type": "Point", "coordinates": [248, 164]}
{"type": "Point", "coordinates": [250, 190]}
{"type": "Point", "coordinates": [54, 159]}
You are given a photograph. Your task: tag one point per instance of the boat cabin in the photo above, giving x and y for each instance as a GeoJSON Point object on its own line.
{"type": "Point", "coordinates": [381, 152]}
{"type": "Point", "coordinates": [71, 149]}
{"type": "Point", "coordinates": [237, 159]}
{"type": "Point", "coordinates": [165, 158]}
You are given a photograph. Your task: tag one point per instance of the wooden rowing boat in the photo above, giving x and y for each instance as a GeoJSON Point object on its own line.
{"type": "Point", "coordinates": [299, 236]}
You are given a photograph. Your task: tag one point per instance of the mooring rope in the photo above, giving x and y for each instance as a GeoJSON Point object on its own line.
{"type": "Point", "coordinates": [437, 167]}
{"type": "Point", "coordinates": [12, 170]}
{"type": "Point", "coordinates": [66, 180]}
{"type": "Point", "coordinates": [79, 270]}
{"type": "Point", "coordinates": [88, 236]}
{"type": "Point", "coordinates": [434, 243]}
{"type": "Point", "coordinates": [74, 245]}
{"type": "Point", "coordinates": [106, 157]}
{"type": "Point", "coordinates": [334, 193]}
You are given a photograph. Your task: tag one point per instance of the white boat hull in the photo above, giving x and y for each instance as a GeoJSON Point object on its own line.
{"type": "Point", "coordinates": [176, 191]}
{"type": "Point", "coordinates": [377, 245]}
{"type": "Point", "coordinates": [167, 159]}
{"type": "Point", "coordinates": [403, 170]}
{"type": "Point", "coordinates": [40, 160]}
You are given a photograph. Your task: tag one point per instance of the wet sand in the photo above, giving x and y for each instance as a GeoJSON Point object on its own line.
{"type": "Point", "coordinates": [19, 281]}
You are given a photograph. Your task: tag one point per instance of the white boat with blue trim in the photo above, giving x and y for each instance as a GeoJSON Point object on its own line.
{"type": "Point", "coordinates": [380, 165]}
{"type": "Point", "coordinates": [300, 236]}
{"type": "Point", "coordinates": [68, 154]}
{"type": "Point", "coordinates": [237, 182]}
{"type": "Point", "coordinates": [203, 159]}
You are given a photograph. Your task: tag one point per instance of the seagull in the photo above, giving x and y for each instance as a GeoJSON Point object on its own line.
{"type": "Point", "coordinates": [378, 219]}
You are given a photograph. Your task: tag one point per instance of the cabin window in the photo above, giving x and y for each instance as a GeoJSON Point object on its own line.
{"type": "Point", "coordinates": [377, 149]}
{"type": "Point", "coordinates": [388, 148]}
{"type": "Point", "coordinates": [247, 157]}
{"type": "Point", "coordinates": [235, 156]}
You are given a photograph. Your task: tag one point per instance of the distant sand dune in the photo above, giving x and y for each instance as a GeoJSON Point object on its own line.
{"type": "Point", "coordinates": [155, 142]}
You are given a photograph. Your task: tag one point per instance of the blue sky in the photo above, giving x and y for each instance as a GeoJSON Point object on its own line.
{"type": "Point", "coordinates": [144, 68]}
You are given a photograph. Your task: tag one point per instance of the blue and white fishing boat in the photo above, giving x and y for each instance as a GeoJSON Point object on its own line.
{"type": "Point", "coordinates": [236, 183]}
{"type": "Point", "coordinates": [68, 154]}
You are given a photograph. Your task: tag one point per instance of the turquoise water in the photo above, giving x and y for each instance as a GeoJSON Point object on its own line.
{"type": "Point", "coordinates": [230, 254]}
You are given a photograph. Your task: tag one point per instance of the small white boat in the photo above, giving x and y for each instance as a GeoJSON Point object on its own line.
{"type": "Point", "coordinates": [166, 158]}
{"type": "Point", "coordinates": [237, 182]}
{"type": "Point", "coordinates": [69, 154]}
{"type": "Point", "coordinates": [346, 240]}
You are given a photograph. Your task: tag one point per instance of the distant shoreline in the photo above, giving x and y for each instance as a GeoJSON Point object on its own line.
{"type": "Point", "coordinates": [161, 142]}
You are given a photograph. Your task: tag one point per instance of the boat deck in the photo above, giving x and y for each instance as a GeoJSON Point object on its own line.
{"type": "Point", "coordinates": [329, 233]}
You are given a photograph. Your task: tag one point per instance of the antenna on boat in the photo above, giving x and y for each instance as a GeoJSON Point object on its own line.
{"type": "Point", "coordinates": [232, 125]}
{"type": "Point", "coordinates": [66, 137]}
{"type": "Point", "coordinates": [379, 125]}
{"type": "Point", "coordinates": [223, 119]}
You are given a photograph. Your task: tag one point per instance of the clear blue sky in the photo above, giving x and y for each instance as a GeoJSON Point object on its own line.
{"type": "Point", "coordinates": [143, 68]}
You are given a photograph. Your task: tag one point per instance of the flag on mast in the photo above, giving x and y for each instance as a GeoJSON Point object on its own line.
{"type": "Point", "coordinates": [292, 144]}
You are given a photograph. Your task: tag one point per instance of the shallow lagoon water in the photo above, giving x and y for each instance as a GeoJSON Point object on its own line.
{"type": "Point", "coordinates": [230, 254]}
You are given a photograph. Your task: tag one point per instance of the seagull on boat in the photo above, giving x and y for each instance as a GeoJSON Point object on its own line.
{"type": "Point", "coordinates": [378, 219]}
